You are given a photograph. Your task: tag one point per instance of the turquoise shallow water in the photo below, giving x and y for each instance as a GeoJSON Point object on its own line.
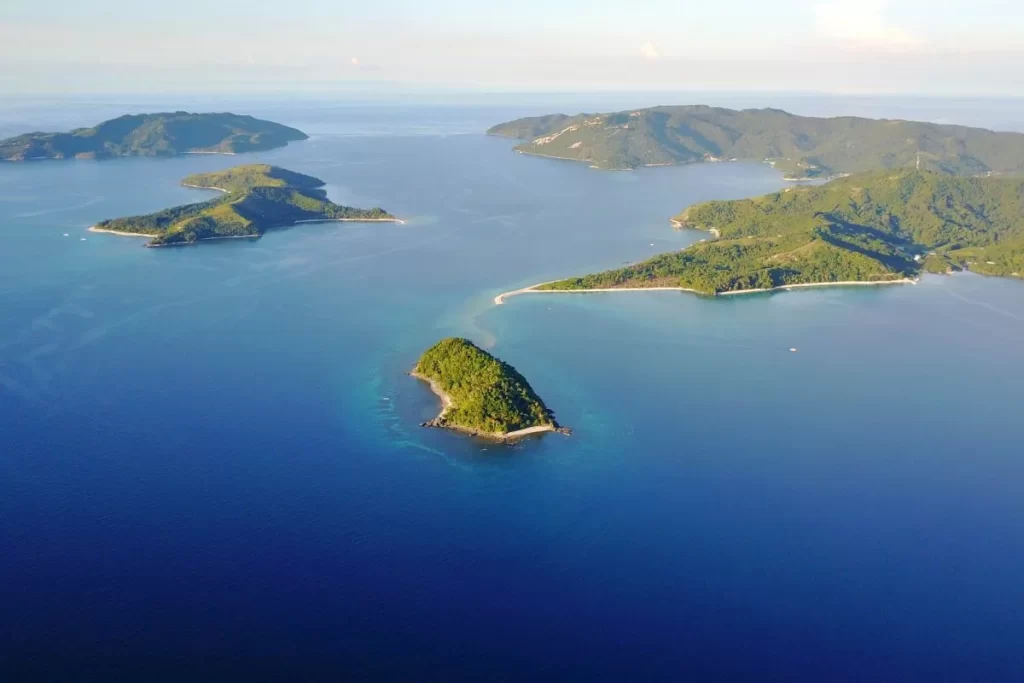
{"type": "Point", "coordinates": [212, 466]}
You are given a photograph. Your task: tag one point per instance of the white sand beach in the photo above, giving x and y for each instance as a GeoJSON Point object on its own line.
{"type": "Point", "coordinates": [500, 299]}
{"type": "Point", "coordinates": [121, 232]}
{"type": "Point", "coordinates": [351, 220]}
{"type": "Point", "coordinates": [204, 187]}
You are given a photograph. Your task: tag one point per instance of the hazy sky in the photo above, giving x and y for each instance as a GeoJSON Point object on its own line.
{"type": "Point", "coordinates": [847, 46]}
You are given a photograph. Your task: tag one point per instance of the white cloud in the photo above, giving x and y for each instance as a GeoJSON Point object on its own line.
{"type": "Point", "coordinates": [860, 22]}
{"type": "Point", "coordinates": [649, 50]}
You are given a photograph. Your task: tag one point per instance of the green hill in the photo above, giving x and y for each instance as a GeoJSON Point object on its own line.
{"type": "Point", "coordinates": [798, 145]}
{"type": "Point", "coordinates": [163, 134]}
{"type": "Point", "coordinates": [481, 394]}
{"type": "Point", "coordinates": [248, 176]}
{"type": "Point", "coordinates": [257, 197]}
{"type": "Point", "coordinates": [877, 226]}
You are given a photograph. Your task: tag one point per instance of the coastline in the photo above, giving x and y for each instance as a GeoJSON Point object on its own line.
{"type": "Point", "coordinates": [350, 220]}
{"type": "Point", "coordinates": [95, 228]}
{"type": "Point", "coordinates": [577, 160]}
{"type": "Point", "coordinates": [844, 283]}
{"type": "Point", "coordinates": [547, 156]}
{"type": "Point", "coordinates": [680, 225]}
{"type": "Point", "coordinates": [500, 299]}
{"type": "Point", "coordinates": [121, 232]}
{"type": "Point", "coordinates": [203, 239]}
{"type": "Point", "coordinates": [173, 244]}
{"type": "Point", "coordinates": [518, 150]}
{"type": "Point", "coordinates": [204, 187]}
{"type": "Point", "coordinates": [446, 404]}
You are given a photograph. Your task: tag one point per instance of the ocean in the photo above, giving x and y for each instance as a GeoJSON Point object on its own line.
{"type": "Point", "coordinates": [213, 468]}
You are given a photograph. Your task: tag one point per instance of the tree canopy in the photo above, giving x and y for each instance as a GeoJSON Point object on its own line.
{"type": "Point", "coordinates": [800, 146]}
{"type": "Point", "coordinates": [162, 134]}
{"type": "Point", "coordinates": [876, 226]}
{"type": "Point", "coordinates": [487, 394]}
{"type": "Point", "coordinates": [257, 197]}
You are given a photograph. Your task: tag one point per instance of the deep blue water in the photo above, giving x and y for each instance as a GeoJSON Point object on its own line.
{"type": "Point", "coordinates": [212, 468]}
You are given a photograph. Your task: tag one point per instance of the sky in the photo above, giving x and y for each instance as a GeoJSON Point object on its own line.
{"type": "Point", "coordinates": [942, 47]}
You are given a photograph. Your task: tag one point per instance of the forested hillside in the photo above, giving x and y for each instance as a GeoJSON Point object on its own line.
{"type": "Point", "coordinates": [875, 226]}
{"type": "Point", "coordinates": [802, 147]}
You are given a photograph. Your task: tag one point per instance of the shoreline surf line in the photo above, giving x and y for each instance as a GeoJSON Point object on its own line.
{"type": "Point", "coordinates": [399, 221]}
{"type": "Point", "coordinates": [170, 244]}
{"type": "Point", "coordinates": [500, 299]}
{"type": "Point", "coordinates": [843, 283]}
{"type": "Point", "coordinates": [203, 239]}
{"type": "Point", "coordinates": [206, 187]}
{"type": "Point", "coordinates": [231, 237]}
{"type": "Point", "coordinates": [122, 232]}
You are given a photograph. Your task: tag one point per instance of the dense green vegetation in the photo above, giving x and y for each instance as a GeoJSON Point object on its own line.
{"type": "Point", "coordinates": [798, 145]}
{"type": "Point", "coordinates": [163, 134]}
{"type": "Point", "coordinates": [487, 395]}
{"type": "Point", "coordinates": [531, 127]}
{"type": "Point", "coordinates": [875, 226]}
{"type": "Point", "coordinates": [248, 176]}
{"type": "Point", "coordinates": [257, 197]}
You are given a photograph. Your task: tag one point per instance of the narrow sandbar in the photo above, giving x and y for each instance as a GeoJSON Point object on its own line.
{"type": "Point", "coordinates": [121, 232]}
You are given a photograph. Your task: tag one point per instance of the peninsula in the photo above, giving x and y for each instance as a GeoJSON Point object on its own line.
{"type": "Point", "coordinates": [256, 198]}
{"type": "Point", "coordinates": [881, 227]}
{"type": "Point", "coordinates": [802, 147]}
{"type": "Point", "coordinates": [481, 395]}
{"type": "Point", "coordinates": [163, 134]}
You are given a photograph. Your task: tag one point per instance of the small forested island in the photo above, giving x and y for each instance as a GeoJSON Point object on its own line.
{"type": "Point", "coordinates": [871, 228]}
{"type": "Point", "coordinates": [256, 197]}
{"type": "Point", "coordinates": [802, 147]}
{"type": "Point", "coordinates": [162, 134]}
{"type": "Point", "coordinates": [481, 395]}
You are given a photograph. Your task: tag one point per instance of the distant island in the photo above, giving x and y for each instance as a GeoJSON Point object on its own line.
{"type": "Point", "coordinates": [257, 197]}
{"type": "Point", "coordinates": [481, 395]}
{"type": "Point", "coordinates": [874, 228]}
{"type": "Point", "coordinates": [801, 147]}
{"type": "Point", "coordinates": [164, 134]}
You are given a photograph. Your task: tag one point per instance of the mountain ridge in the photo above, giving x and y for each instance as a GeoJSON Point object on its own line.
{"type": "Point", "coordinates": [158, 134]}
{"type": "Point", "coordinates": [878, 226]}
{"type": "Point", "coordinates": [802, 147]}
{"type": "Point", "coordinates": [257, 197]}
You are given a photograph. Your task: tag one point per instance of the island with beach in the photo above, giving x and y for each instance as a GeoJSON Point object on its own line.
{"type": "Point", "coordinates": [876, 228]}
{"type": "Point", "coordinates": [256, 198]}
{"type": "Point", "coordinates": [481, 395]}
